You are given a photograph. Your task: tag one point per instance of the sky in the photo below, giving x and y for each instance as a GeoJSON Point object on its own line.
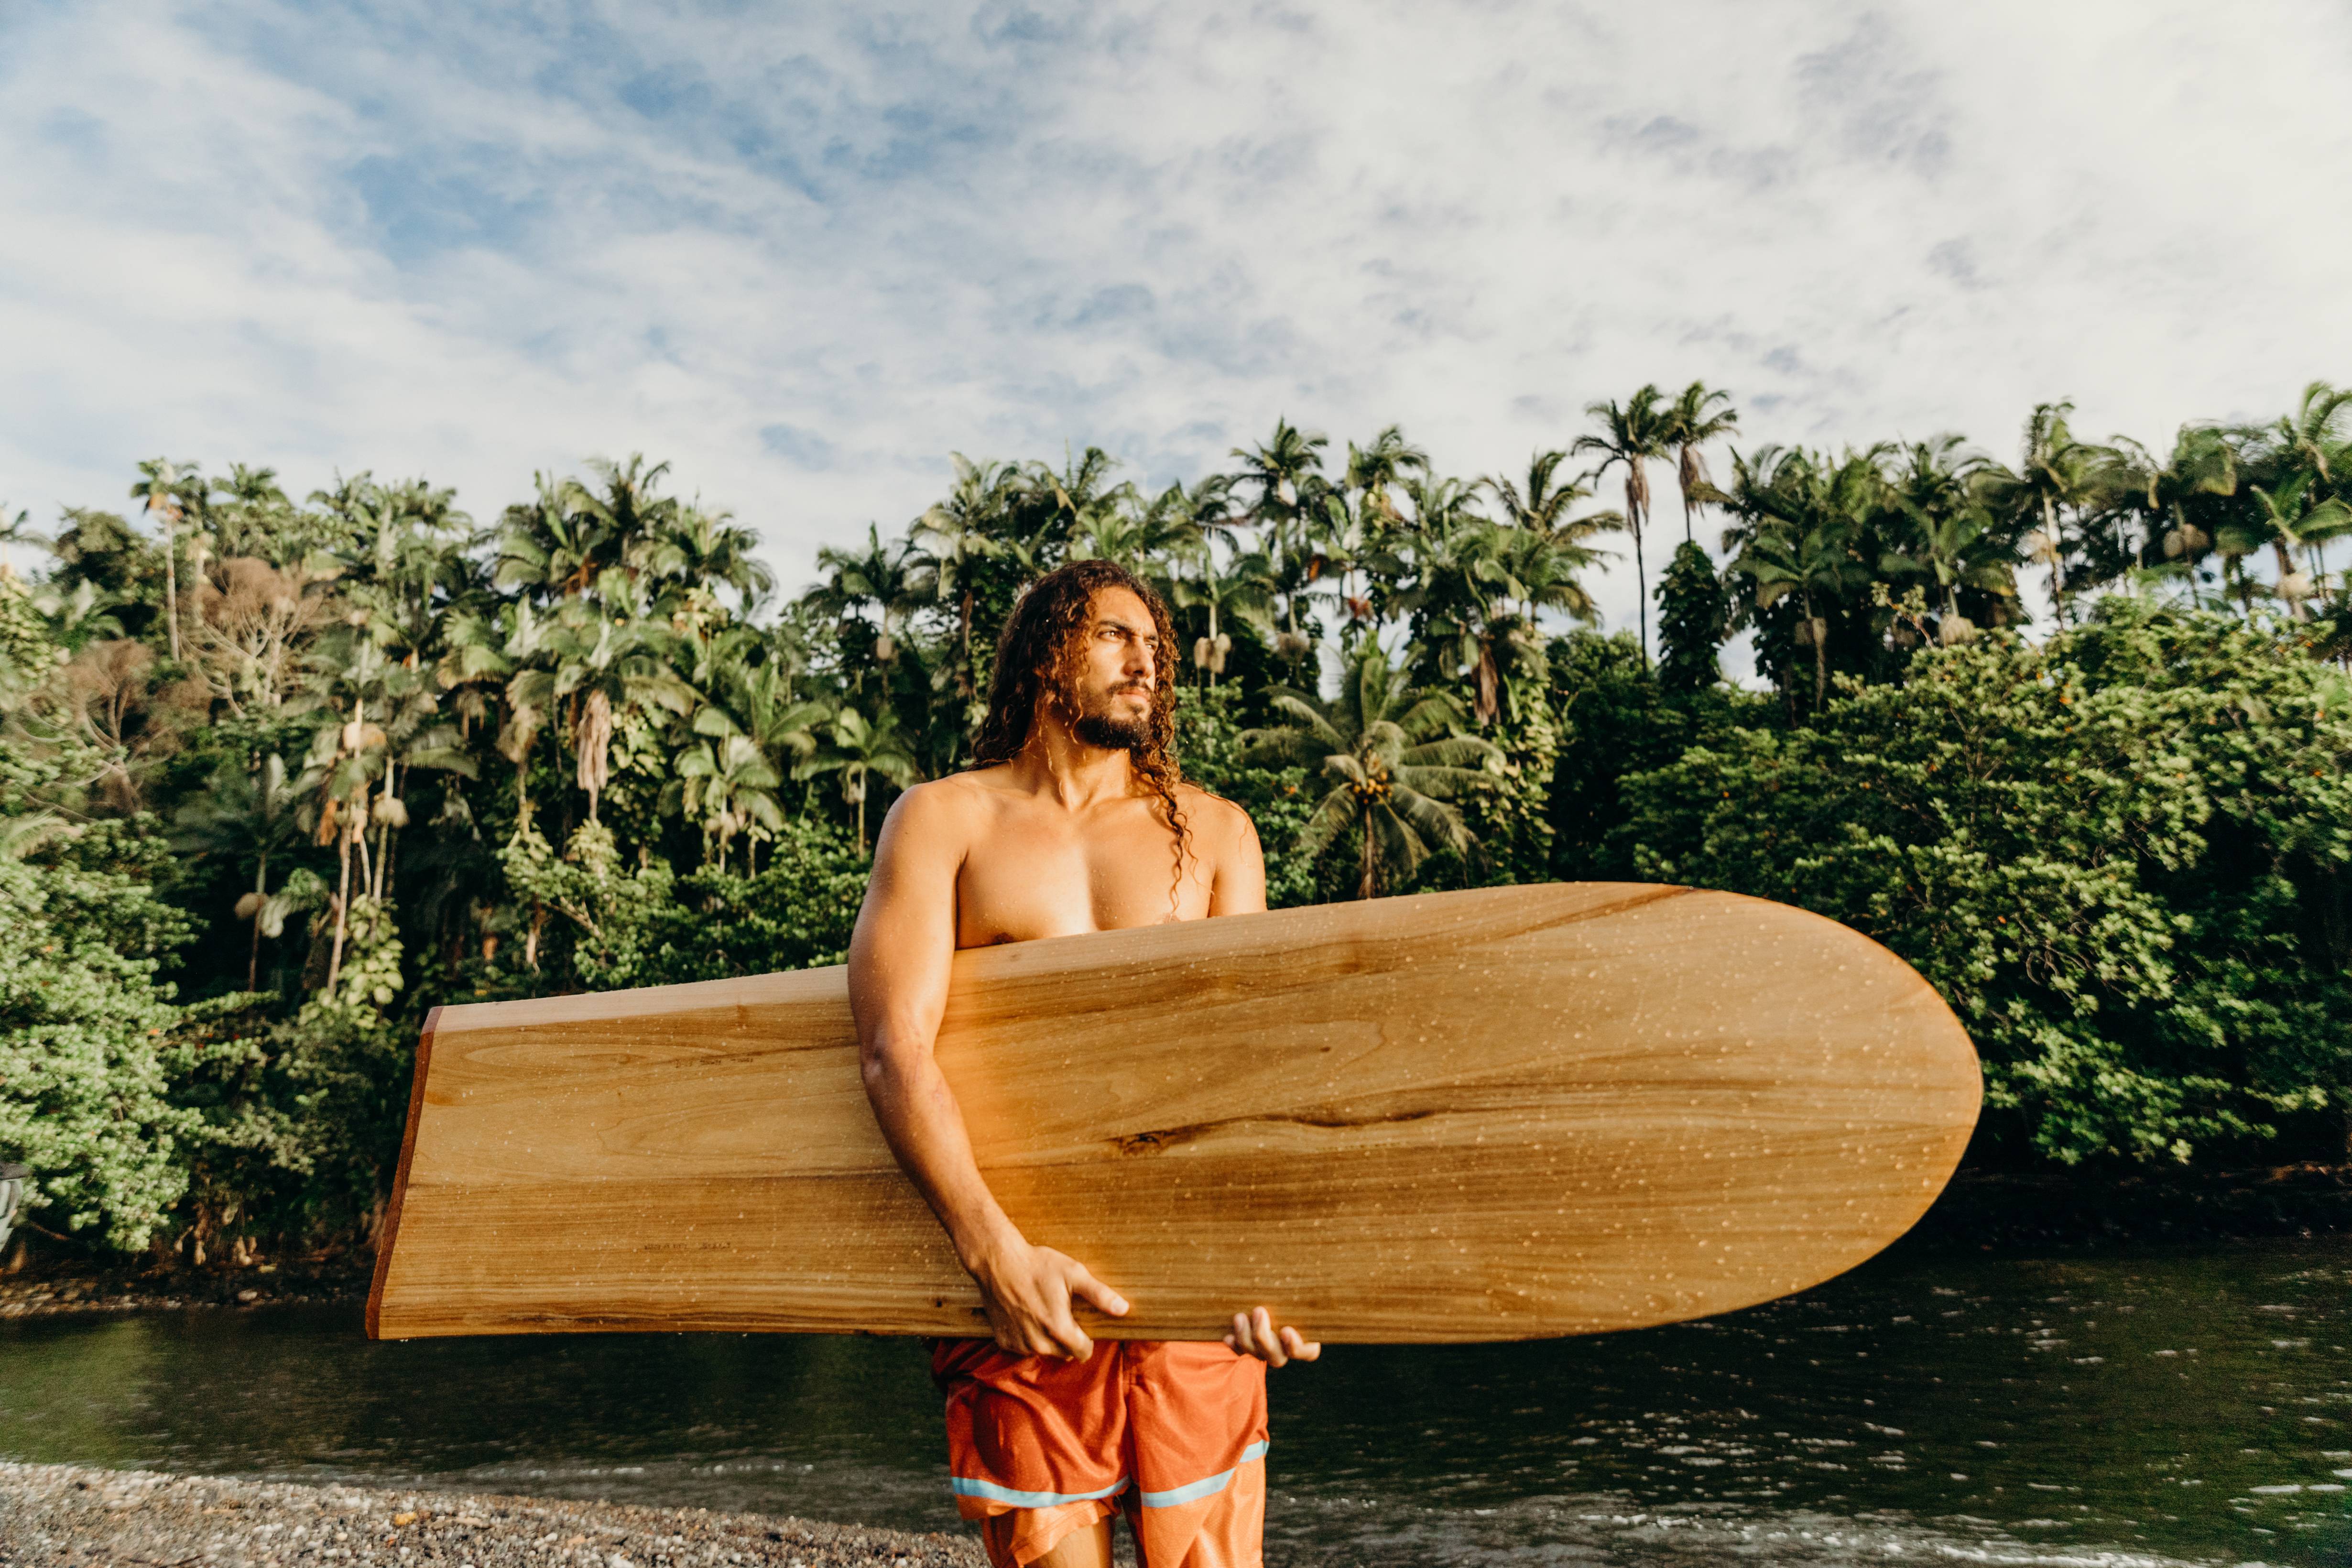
{"type": "Point", "coordinates": [803, 254]}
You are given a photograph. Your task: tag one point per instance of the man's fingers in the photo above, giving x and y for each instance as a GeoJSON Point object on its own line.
{"type": "Point", "coordinates": [1269, 1343]}
{"type": "Point", "coordinates": [1095, 1293]}
{"type": "Point", "coordinates": [1253, 1333]}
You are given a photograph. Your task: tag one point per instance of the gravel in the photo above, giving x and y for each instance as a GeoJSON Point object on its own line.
{"type": "Point", "coordinates": [60, 1514]}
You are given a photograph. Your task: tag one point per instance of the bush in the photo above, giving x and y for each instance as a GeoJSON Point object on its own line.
{"type": "Point", "coordinates": [2121, 858]}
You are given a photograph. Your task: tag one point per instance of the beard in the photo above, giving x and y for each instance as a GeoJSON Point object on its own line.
{"type": "Point", "coordinates": [1112, 730]}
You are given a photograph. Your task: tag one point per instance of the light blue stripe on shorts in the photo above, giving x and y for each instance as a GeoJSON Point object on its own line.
{"type": "Point", "coordinates": [964, 1486]}
{"type": "Point", "coordinates": [1179, 1496]}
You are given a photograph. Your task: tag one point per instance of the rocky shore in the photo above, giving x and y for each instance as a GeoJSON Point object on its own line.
{"type": "Point", "coordinates": [65, 1514]}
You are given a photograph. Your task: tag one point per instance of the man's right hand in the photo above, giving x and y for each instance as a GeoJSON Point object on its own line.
{"type": "Point", "coordinates": [1028, 1291]}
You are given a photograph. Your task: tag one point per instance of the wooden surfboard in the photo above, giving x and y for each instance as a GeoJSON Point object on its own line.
{"type": "Point", "coordinates": [1498, 1114]}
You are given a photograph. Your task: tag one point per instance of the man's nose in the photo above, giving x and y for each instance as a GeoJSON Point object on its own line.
{"type": "Point", "coordinates": [1139, 657]}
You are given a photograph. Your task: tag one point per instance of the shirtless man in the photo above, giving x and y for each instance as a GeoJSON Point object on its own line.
{"type": "Point", "coordinates": [1072, 819]}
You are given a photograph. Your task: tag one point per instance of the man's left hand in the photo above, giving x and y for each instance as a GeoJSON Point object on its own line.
{"type": "Point", "coordinates": [1252, 1334]}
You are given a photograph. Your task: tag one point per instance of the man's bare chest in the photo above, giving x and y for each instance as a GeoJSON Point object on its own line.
{"type": "Point", "coordinates": [1024, 880]}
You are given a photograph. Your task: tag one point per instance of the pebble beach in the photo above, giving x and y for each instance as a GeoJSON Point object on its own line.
{"type": "Point", "coordinates": [67, 1514]}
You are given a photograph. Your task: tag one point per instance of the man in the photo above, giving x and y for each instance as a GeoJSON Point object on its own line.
{"type": "Point", "coordinates": [1073, 819]}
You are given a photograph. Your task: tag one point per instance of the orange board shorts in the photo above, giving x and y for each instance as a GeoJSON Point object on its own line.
{"type": "Point", "coordinates": [1172, 1434]}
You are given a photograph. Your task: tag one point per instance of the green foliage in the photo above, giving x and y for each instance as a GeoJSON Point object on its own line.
{"type": "Point", "coordinates": [1694, 617]}
{"type": "Point", "coordinates": [2121, 858]}
{"type": "Point", "coordinates": [370, 721]}
{"type": "Point", "coordinates": [85, 1097]}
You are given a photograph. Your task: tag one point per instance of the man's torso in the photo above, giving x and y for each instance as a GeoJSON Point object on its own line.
{"type": "Point", "coordinates": [1032, 869]}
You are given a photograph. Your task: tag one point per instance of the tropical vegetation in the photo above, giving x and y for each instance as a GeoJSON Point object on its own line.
{"type": "Point", "coordinates": [2069, 733]}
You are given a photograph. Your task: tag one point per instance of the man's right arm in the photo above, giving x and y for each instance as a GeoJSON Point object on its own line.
{"type": "Point", "coordinates": [900, 962]}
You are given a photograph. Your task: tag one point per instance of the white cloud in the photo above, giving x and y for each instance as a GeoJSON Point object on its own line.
{"type": "Point", "coordinates": [804, 259]}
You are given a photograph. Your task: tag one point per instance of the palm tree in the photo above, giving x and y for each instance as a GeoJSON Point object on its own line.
{"type": "Point", "coordinates": [603, 664]}
{"type": "Point", "coordinates": [1630, 436]}
{"type": "Point", "coordinates": [2305, 456]}
{"type": "Point", "coordinates": [1691, 423]}
{"type": "Point", "coordinates": [1813, 560]}
{"type": "Point", "coordinates": [956, 537]}
{"type": "Point", "coordinates": [861, 748]}
{"type": "Point", "coordinates": [244, 813]}
{"type": "Point", "coordinates": [2179, 497]}
{"type": "Point", "coordinates": [729, 788]}
{"type": "Point", "coordinates": [895, 578]}
{"type": "Point", "coordinates": [1285, 469]}
{"type": "Point", "coordinates": [760, 704]}
{"type": "Point", "coordinates": [2054, 474]}
{"type": "Point", "coordinates": [1946, 530]}
{"type": "Point", "coordinates": [1373, 470]}
{"type": "Point", "coordinates": [1395, 763]}
{"type": "Point", "coordinates": [695, 553]}
{"type": "Point", "coordinates": [1242, 591]}
{"type": "Point", "coordinates": [1549, 546]}
{"type": "Point", "coordinates": [2290, 518]}
{"type": "Point", "coordinates": [166, 486]}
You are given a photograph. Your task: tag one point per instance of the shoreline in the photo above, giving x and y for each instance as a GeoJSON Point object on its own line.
{"type": "Point", "coordinates": [2033, 1213]}
{"type": "Point", "coordinates": [60, 1514]}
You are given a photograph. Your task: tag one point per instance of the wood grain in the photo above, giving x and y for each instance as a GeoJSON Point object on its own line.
{"type": "Point", "coordinates": [1498, 1114]}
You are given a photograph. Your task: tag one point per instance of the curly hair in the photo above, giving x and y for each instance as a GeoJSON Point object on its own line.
{"type": "Point", "coordinates": [1042, 654]}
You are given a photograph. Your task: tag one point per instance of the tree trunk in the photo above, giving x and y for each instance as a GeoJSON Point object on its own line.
{"type": "Point", "coordinates": [367, 862]}
{"type": "Point", "coordinates": [1368, 885]}
{"type": "Point", "coordinates": [343, 918]}
{"type": "Point", "coordinates": [2285, 570]}
{"type": "Point", "coordinates": [964, 635]}
{"type": "Point", "coordinates": [1641, 570]}
{"type": "Point", "coordinates": [1818, 626]}
{"type": "Point", "coordinates": [260, 891]}
{"type": "Point", "coordinates": [171, 578]}
{"type": "Point", "coordinates": [2057, 569]}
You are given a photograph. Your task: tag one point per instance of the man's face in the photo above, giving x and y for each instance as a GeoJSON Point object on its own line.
{"type": "Point", "coordinates": [1115, 676]}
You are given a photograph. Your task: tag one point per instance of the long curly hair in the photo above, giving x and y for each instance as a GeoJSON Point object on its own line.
{"type": "Point", "coordinates": [1042, 654]}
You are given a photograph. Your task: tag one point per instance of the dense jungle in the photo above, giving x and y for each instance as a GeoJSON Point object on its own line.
{"type": "Point", "coordinates": [2067, 729]}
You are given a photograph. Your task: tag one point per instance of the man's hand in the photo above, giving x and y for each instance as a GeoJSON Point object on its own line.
{"type": "Point", "coordinates": [1252, 1334]}
{"type": "Point", "coordinates": [1028, 1291]}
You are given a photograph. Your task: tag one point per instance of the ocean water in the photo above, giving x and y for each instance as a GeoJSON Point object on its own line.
{"type": "Point", "coordinates": [2160, 1407]}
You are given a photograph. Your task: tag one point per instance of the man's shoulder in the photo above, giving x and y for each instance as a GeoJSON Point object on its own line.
{"type": "Point", "coordinates": [950, 805]}
{"type": "Point", "coordinates": [1211, 813]}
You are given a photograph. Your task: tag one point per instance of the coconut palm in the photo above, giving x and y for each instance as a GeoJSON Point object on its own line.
{"type": "Point", "coordinates": [1814, 561]}
{"type": "Point", "coordinates": [2055, 474]}
{"type": "Point", "coordinates": [601, 665]}
{"type": "Point", "coordinates": [2303, 463]}
{"type": "Point", "coordinates": [728, 786]}
{"type": "Point", "coordinates": [1394, 761]}
{"type": "Point", "coordinates": [1373, 470]}
{"type": "Point", "coordinates": [858, 750]}
{"type": "Point", "coordinates": [893, 578]}
{"type": "Point", "coordinates": [1631, 435]}
{"type": "Point", "coordinates": [1286, 472]}
{"type": "Point", "coordinates": [166, 486]}
{"type": "Point", "coordinates": [1549, 546]}
{"type": "Point", "coordinates": [958, 537]}
{"type": "Point", "coordinates": [245, 811]}
{"type": "Point", "coordinates": [2181, 499]}
{"type": "Point", "coordinates": [1692, 421]}
{"type": "Point", "coordinates": [759, 703]}
{"type": "Point", "coordinates": [1241, 591]}
{"type": "Point", "coordinates": [694, 554]}
{"type": "Point", "coordinates": [1943, 530]}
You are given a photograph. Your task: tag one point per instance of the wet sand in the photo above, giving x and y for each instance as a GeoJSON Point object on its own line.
{"type": "Point", "coordinates": [61, 1514]}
